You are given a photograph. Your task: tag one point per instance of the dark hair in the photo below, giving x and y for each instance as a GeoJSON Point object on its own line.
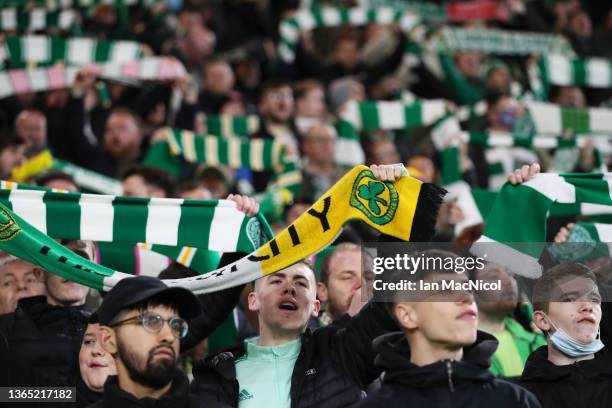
{"type": "Point", "coordinates": [54, 175]}
{"type": "Point", "coordinates": [93, 318]}
{"type": "Point", "coordinates": [544, 288]}
{"type": "Point", "coordinates": [187, 185]}
{"type": "Point", "coordinates": [177, 271]}
{"type": "Point", "coordinates": [9, 139]}
{"type": "Point", "coordinates": [154, 177]}
{"type": "Point", "coordinates": [272, 85]}
{"type": "Point", "coordinates": [493, 98]}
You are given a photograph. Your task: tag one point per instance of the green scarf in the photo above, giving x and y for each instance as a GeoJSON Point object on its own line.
{"type": "Point", "coordinates": [528, 206]}
{"type": "Point", "coordinates": [369, 115]}
{"type": "Point", "coordinates": [308, 19]}
{"type": "Point", "coordinates": [553, 69]}
{"type": "Point", "coordinates": [405, 209]}
{"type": "Point", "coordinates": [12, 19]}
{"type": "Point", "coordinates": [494, 41]}
{"type": "Point", "coordinates": [163, 221]}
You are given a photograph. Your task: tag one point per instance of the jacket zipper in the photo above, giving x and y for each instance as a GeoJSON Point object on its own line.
{"type": "Point", "coordinates": [449, 373]}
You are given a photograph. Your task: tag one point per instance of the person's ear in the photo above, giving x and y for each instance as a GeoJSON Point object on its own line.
{"type": "Point", "coordinates": [322, 292]}
{"type": "Point", "coordinates": [253, 301]}
{"type": "Point", "coordinates": [39, 274]}
{"type": "Point", "coordinates": [406, 316]}
{"type": "Point", "coordinates": [542, 321]}
{"type": "Point", "coordinates": [107, 339]}
{"type": "Point", "coordinates": [316, 306]}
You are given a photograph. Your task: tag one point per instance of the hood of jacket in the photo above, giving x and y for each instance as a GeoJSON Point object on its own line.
{"type": "Point", "coordinates": [393, 356]}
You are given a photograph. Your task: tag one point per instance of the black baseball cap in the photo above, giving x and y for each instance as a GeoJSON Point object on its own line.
{"type": "Point", "coordinates": [131, 291]}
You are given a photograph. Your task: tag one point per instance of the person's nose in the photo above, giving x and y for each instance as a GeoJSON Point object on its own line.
{"type": "Point", "coordinates": [290, 289]}
{"type": "Point", "coordinates": [166, 333]}
{"type": "Point", "coordinates": [97, 350]}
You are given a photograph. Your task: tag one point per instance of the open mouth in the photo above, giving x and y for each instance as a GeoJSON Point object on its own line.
{"type": "Point", "coordinates": [288, 305]}
{"type": "Point", "coordinates": [97, 365]}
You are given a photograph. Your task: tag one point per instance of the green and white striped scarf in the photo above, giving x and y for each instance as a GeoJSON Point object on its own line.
{"type": "Point", "coordinates": [304, 20]}
{"type": "Point", "coordinates": [258, 154]}
{"type": "Point", "coordinates": [552, 119]}
{"type": "Point", "coordinates": [554, 69]}
{"type": "Point", "coordinates": [229, 125]}
{"type": "Point", "coordinates": [369, 115]}
{"type": "Point", "coordinates": [22, 81]}
{"type": "Point", "coordinates": [507, 139]}
{"type": "Point", "coordinates": [41, 50]}
{"type": "Point", "coordinates": [503, 42]}
{"type": "Point", "coordinates": [70, 4]}
{"type": "Point", "coordinates": [348, 147]}
{"type": "Point", "coordinates": [12, 19]}
{"type": "Point", "coordinates": [517, 222]}
{"type": "Point", "coordinates": [212, 224]}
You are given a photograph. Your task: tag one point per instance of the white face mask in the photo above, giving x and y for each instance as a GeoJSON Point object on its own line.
{"type": "Point", "coordinates": [572, 347]}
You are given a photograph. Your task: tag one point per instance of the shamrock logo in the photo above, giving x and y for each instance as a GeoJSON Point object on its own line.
{"type": "Point", "coordinates": [371, 193]}
{"type": "Point", "coordinates": [8, 226]}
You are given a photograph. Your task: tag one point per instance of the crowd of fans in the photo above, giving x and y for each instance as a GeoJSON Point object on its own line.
{"type": "Point", "coordinates": [305, 336]}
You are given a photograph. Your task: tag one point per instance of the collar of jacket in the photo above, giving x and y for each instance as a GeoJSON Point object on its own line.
{"type": "Point", "coordinates": [224, 362]}
{"type": "Point", "coordinates": [177, 397]}
{"type": "Point", "coordinates": [38, 309]}
{"type": "Point", "coordinates": [538, 368]}
{"type": "Point", "coordinates": [394, 358]}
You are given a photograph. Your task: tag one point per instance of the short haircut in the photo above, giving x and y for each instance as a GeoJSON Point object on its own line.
{"type": "Point", "coordinates": [301, 88]}
{"type": "Point", "coordinates": [272, 85]}
{"type": "Point", "coordinates": [7, 258]}
{"type": "Point", "coordinates": [304, 262]}
{"type": "Point", "coordinates": [177, 271]}
{"type": "Point", "coordinates": [326, 265]}
{"type": "Point", "coordinates": [188, 185]}
{"type": "Point", "coordinates": [417, 274]}
{"type": "Point", "coordinates": [126, 111]}
{"type": "Point", "coordinates": [154, 177]}
{"type": "Point", "coordinates": [544, 288]}
{"type": "Point", "coordinates": [30, 111]}
{"type": "Point", "coordinates": [54, 175]}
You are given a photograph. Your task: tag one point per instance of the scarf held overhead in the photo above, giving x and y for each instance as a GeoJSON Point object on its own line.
{"type": "Point", "coordinates": [406, 210]}
{"type": "Point", "coordinates": [515, 229]}
{"type": "Point", "coordinates": [210, 224]}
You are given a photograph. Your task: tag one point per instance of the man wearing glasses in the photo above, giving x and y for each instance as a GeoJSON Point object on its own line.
{"type": "Point", "coordinates": [141, 324]}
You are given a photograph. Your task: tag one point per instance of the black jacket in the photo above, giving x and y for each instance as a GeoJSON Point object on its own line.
{"type": "Point", "coordinates": [42, 341]}
{"type": "Point", "coordinates": [586, 383]}
{"type": "Point", "coordinates": [177, 397]}
{"type": "Point", "coordinates": [466, 383]}
{"type": "Point", "coordinates": [334, 365]}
